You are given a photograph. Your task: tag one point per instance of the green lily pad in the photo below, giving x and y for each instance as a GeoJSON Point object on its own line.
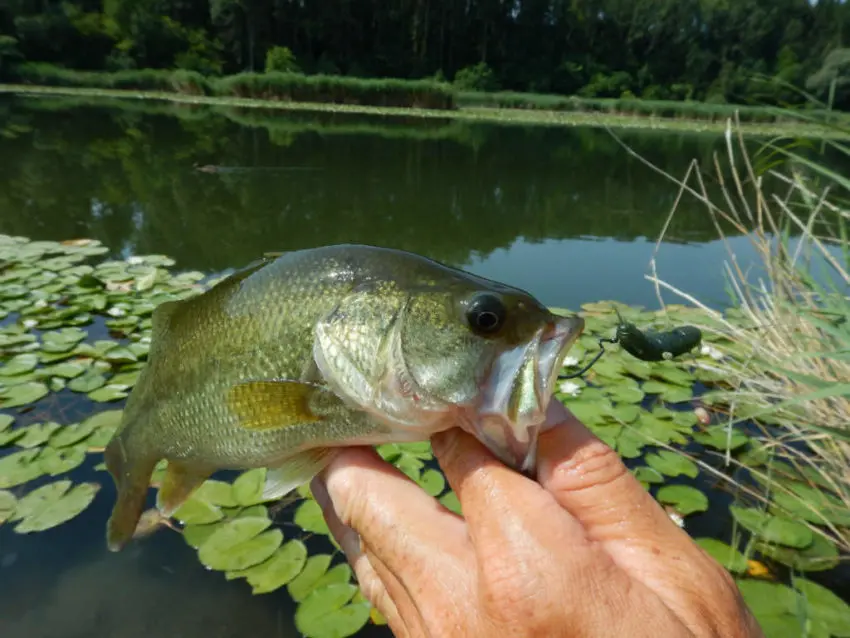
{"type": "Point", "coordinates": [278, 570]}
{"type": "Point", "coordinates": [106, 419]}
{"type": "Point", "coordinates": [327, 612]}
{"type": "Point", "coordinates": [314, 568]}
{"type": "Point", "coordinates": [825, 607]}
{"type": "Point", "coordinates": [727, 556]}
{"type": "Point", "coordinates": [66, 370]}
{"type": "Point", "coordinates": [821, 555]}
{"type": "Point", "coordinates": [673, 375]}
{"type": "Point", "coordinates": [62, 340]}
{"type": "Point", "coordinates": [108, 393]}
{"type": "Point", "coordinates": [19, 364]}
{"type": "Point", "coordinates": [24, 394]}
{"type": "Point", "coordinates": [410, 466]}
{"type": "Point", "coordinates": [630, 443]}
{"type": "Point", "coordinates": [8, 503]}
{"type": "Point", "coordinates": [625, 413]}
{"type": "Point", "coordinates": [686, 499]}
{"type": "Point", "coordinates": [719, 438]}
{"type": "Point", "coordinates": [646, 474]}
{"type": "Point", "coordinates": [309, 517]}
{"type": "Point", "coordinates": [195, 511]}
{"type": "Point", "coordinates": [55, 461]}
{"type": "Point", "coordinates": [239, 543]}
{"type": "Point", "coordinates": [248, 487]}
{"type": "Point", "coordinates": [812, 504]}
{"type": "Point", "coordinates": [37, 434]}
{"type": "Point", "coordinates": [120, 354]}
{"type": "Point", "coordinates": [71, 434]}
{"type": "Point", "coordinates": [87, 382]}
{"type": "Point", "coordinates": [433, 482]}
{"type": "Point", "coordinates": [53, 504]}
{"type": "Point", "coordinates": [127, 379]}
{"type": "Point", "coordinates": [450, 501]}
{"type": "Point", "coordinates": [217, 493]}
{"type": "Point", "coordinates": [672, 464]}
{"type": "Point", "coordinates": [772, 529]}
{"type": "Point", "coordinates": [19, 468]}
{"type": "Point", "coordinates": [197, 535]}
{"type": "Point", "coordinates": [589, 412]}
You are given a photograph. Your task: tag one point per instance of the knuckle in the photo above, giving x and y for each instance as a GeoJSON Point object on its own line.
{"type": "Point", "coordinates": [593, 465]}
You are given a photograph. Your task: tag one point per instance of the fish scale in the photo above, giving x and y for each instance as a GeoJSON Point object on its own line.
{"type": "Point", "coordinates": [295, 356]}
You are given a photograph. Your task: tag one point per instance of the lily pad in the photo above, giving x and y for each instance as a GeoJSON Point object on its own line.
{"type": "Point", "coordinates": [821, 555]}
{"type": "Point", "coordinates": [325, 613]}
{"type": "Point", "coordinates": [772, 529]}
{"type": "Point", "coordinates": [197, 535]}
{"type": "Point", "coordinates": [646, 474]}
{"type": "Point", "coordinates": [278, 570]}
{"type": "Point", "coordinates": [315, 567]}
{"type": "Point", "coordinates": [108, 393]}
{"type": "Point", "coordinates": [19, 364]}
{"type": "Point", "coordinates": [19, 468]}
{"type": "Point", "coordinates": [672, 464]}
{"type": "Point", "coordinates": [24, 394]}
{"type": "Point", "coordinates": [53, 504]}
{"type": "Point", "coordinates": [239, 543]}
{"type": "Point", "coordinates": [450, 501]}
{"type": "Point", "coordinates": [248, 487]}
{"type": "Point", "coordinates": [825, 607]}
{"type": "Point", "coordinates": [309, 517]}
{"type": "Point", "coordinates": [58, 461]}
{"type": "Point", "coordinates": [812, 504]}
{"type": "Point", "coordinates": [196, 511]}
{"type": "Point", "coordinates": [37, 434]}
{"type": "Point", "coordinates": [8, 503]}
{"type": "Point", "coordinates": [432, 482]}
{"type": "Point", "coordinates": [66, 370]}
{"type": "Point", "coordinates": [87, 382]}
{"type": "Point", "coordinates": [719, 438]}
{"type": "Point", "coordinates": [686, 499]}
{"type": "Point", "coordinates": [727, 556]}
{"type": "Point", "coordinates": [71, 434]}
{"type": "Point", "coordinates": [630, 443]}
{"type": "Point", "coordinates": [217, 493]}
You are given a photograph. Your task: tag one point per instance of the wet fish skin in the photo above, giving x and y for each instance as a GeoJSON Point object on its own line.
{"type": "Point", "coordinates": [292, 357]}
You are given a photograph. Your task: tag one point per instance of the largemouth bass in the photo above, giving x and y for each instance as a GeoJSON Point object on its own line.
{"type": "Point", "coordinates": [287, 360]}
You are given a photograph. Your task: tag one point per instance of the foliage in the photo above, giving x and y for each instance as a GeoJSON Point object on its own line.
{"type": "Point", "coordinates": [281, 59]}
{"type": "Point", "coordinates": [700, 50]}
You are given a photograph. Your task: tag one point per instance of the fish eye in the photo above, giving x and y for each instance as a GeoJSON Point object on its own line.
{"type": "Point", "coordinates": [486, 313]}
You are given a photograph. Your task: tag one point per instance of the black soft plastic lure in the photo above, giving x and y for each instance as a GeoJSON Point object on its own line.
{"type": "Point", "coordinates": [647, 345]}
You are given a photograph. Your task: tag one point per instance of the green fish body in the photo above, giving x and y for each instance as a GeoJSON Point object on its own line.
{"type": "Point", "coordinates": [294, 357]}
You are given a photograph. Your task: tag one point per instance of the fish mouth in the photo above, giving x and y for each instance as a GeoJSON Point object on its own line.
{"type": "Point", "coordinates": [518, 392]}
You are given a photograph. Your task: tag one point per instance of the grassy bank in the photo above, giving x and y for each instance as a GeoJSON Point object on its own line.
{"type": "Point", "coordinates": [287, 87]}
{"type": "Point", "coordinates": [702, 111]}
{"type": "Point", "coordinates": [327, 92]}
{"type": "Point", "coordinates": [526, 117]}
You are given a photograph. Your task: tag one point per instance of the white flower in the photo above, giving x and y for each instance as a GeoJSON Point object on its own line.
{"type": "Point", "coordinates": [570, 361]}
{"type": "Point", "coordinates": [676, 518]}
{"type": "Point", "coordinates": [568, 387]}
{"type": "Point", "coordinates": [30, 323]}
{"type": "Point", "coordinates": [116, 311]}
{"type": "Point", "coordinates": [135, 260]}
{"type": "Point", "coordinates": [712, 352]}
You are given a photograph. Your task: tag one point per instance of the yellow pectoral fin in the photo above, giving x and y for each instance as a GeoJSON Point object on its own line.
{"type": "Point", "coordinates": [271, 405]}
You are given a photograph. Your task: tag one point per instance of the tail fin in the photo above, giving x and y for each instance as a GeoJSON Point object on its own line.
{"type": "Point", "coordinates": [132, 479]}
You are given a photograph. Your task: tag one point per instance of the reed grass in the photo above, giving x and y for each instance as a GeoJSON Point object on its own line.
{"type": "Point", "coordinates": [786, 343]}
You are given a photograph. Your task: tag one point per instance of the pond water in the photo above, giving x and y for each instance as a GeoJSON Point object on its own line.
{"type": "Point", "coordinates": [565, 213]}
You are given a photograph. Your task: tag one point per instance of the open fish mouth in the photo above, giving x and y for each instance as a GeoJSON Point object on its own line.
{"type": "Point", "coordinates": [517, 395]}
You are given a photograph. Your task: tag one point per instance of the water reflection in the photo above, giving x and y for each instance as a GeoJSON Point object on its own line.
{"type": "Point", "coordinates": [510, 202]}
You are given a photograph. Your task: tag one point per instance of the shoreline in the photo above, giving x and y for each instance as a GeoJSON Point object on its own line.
{"type": "Point", "coordinates": [482, 114]}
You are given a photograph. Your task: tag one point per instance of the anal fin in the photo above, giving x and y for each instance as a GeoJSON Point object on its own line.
{"type": "Point", "coordinates": [181, 479]}
{"type": "Point", "coordinates": [295, 471]}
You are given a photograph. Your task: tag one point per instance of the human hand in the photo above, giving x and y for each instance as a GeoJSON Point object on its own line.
{"type": "Point", "coordinates": [585, 551]}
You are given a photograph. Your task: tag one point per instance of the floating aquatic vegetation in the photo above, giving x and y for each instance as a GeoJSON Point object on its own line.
{"type": "Point", "coordinates": [78, 330]}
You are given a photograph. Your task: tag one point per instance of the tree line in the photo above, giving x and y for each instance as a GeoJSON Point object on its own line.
{"type": "Point", "coordinates": [741, 51]}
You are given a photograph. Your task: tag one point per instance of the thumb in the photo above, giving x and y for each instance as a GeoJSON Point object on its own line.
{"type": "Point", "coordinates": [591, 482]}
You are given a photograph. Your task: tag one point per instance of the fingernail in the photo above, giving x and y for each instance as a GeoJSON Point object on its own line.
{"type": "Point", "coordinates": [351, 544]}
